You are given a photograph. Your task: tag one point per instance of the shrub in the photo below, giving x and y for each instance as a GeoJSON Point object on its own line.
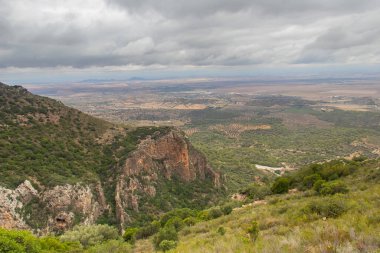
{"type": "Point", "coordinates": [253, 231]}
{"type": "Point", "coordinates": [148, 230]}
{"type": "Point", "coordinates": [318, 185]}
{"type": "Point", "coordinates": [326, 207]}
{"type": "Point", "coordinates": [256, 191]}
{"type": "Point", "coordinates": [176, 222]}
{"type": "Point", "coordinates": [90, 235]}
{"type": "Point", "coordinates": [280, 185]}
{"type": "Point", "coordinates": [12, 241]}
{"type": "Point", "coordinates": [203, 215]}
{"type": "Point", "coordinates": [227, 209]}
{"type": "Point", "coordinates": [330, 188]}
{"type": "Point", "coordinates": [221, 230]}
{"type": "Point", "coordinates": [308, 181]}
{"type": "Point", "coordinates": [190, 221]}
{"type": "Point", "coordinates": [166, 233]}
{"type": "Point", "coordinates": [52, 244]}
{"type": "Point", "coordinates": [130, 235]}
{"type": "Point", "coordinates": [166, 245]}
{"type": "Point", "coordinates": [214, 213]}
{"type": "Point", "coordinates": [10, 246]}
{"type": "Point", "coordinates": [18, 241]}
{"type": "Point", "coordinates": [182, 213]}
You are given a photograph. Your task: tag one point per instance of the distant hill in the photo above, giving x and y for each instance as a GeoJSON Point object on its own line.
{"type": "Point", "coordinates": [60, 167]}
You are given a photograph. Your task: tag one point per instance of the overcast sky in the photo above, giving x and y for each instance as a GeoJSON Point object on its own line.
{"type": "Point", "coordinates": [54, 39]}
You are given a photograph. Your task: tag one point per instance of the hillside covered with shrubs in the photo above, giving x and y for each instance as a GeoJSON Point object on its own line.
{"type": "Point", "coordinates": [325, 207]}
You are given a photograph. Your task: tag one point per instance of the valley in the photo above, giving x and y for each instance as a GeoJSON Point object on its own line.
{"type": "Point", "coordinates": [244, 121]}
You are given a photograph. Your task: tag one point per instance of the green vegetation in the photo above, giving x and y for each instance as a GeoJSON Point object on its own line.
{"type": "Point", "coordinates": [166, 245]}
{"type": "Point", "coordinates": [343, 217]}
{"type": "Point", "coordinates": [300, 221]}
{"type": "Point", "coordinates": [256, 191]}
{"type": "Point", "coordinates": [12, 241]}
{"type": "Point", "coordinates": [280, 185]}
{"type": "Point", "coordinates": [43, 139]}
{"type": "Point", "coordinates": [253, 231]}
{"type": "Point", "coordinates": [299, 134]}
{"type": "Point", "coordinates": [50, 144]}
{"type": "Point", "coordinates": [91, 239]}
{"type": "Point", "coordinates": [90, 235]}
{"type": "Point", "coordinates": [321, 207]}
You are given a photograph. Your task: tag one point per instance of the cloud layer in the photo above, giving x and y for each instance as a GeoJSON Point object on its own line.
{"type": "Point", "coordinates": [98, 33]}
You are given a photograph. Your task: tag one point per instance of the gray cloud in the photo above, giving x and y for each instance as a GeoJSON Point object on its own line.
{"type": "Point", "coordinates": [83, 34]}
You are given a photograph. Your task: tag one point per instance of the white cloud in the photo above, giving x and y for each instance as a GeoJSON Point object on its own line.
{"type": "Point", "coordinates": [99, 33]}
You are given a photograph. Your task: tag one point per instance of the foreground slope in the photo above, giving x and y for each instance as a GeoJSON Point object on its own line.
{"type": "Point", "coordinates": [60, 167]}
{"type": "Point", "coordinates": [299, 221]}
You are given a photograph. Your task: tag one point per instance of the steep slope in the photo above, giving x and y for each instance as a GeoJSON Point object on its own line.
{"type": "Point", "coordinates": [60, 167]}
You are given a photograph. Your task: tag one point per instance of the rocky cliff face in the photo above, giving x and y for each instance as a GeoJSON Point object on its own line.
{"type": "Point", "coordinates": [138, 179]}
{"type": "Point", "coordinates": [169, 156]}
{"type": "Point", "coordinates": [50, 210]}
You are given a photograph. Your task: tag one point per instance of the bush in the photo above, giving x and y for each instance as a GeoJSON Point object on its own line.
{"type": "Point", "coordinates": [326, 207]}
{"type": "Point", "coordinates": [214, 213]}
{"type": "Point", "coordinates": [280, 185]}
{"type": "Point", "coordinates": [318, 185]}
{"type": "Point", "coordinates": [10, 246]}
{"type": "Point", "coordinates": [12, 241]}
{"type": "Point", "coordinates": [18, 242]}
{"type": "Point", "coordinates": [166, 245]}
{"type": "Point", "coordinates": [90, 235]}
{"type": "Point", "coordinates": [227, 209]}
{"type": "Point", "coordinates": [148, 230]}
{"type": "Point", "coordinates": [330, 188]}
{"type": "Point", "coordinates": [167, 233]}
{"type": "Point", "coordinates": [190, 221]}
{"type": "Point", "coordinates": [256, 191]}
{"type": "Point", "coordinates": [203, 215]}
{"type": "Point", "coordinates": [309, 181]}
{"type": "Point", "coordinates": [130, 235]}
{"type": "Point", "coordinates": [221, 230]}
{"type": "Point", "coordinates": [52, 244]}
{"type": "Point", "coordinates": [176, 222]}
{"type": "Point", "coordinates": [253, 231]}
{"type": "Point", "coordinates": [182, 213]}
